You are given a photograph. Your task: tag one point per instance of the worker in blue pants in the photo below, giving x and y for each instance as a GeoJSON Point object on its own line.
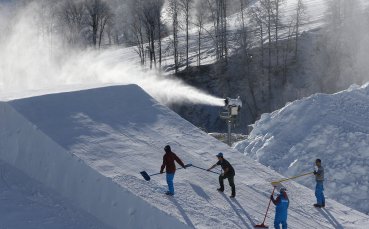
{"type": "Point", "coordinates": [319, 188]}
{"type": "Point", "coordinates": [281, 208]}
{"type": "Point", "coordinates": [170, 178]}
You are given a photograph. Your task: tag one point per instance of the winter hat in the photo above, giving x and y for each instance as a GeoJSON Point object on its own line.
{"type": "Point", "coordinates": [220, 154]}
{"type": "Point", "coordinates": [167, 148]}
{"type": "Point", "coordinates": [282, 189]}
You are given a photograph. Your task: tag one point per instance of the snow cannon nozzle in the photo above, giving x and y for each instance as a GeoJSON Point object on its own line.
{"type": "Point", "coordinates": [228, 102]}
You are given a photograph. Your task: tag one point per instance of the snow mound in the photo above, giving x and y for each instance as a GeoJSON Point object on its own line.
{"type": "Point", "coordinates": [90, 145]}
{"type": "Point", "coordinates": [334, 128]}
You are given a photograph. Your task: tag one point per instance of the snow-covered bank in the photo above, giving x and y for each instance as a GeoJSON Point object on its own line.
{"type": "Point", "coordinates": [25, 203]}
{"type": "Point", "coordinates": [334, 128]}
{"type": "Point", "coordinates": [91, 145]}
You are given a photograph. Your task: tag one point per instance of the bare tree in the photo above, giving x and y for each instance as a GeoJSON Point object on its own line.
{"type": "Point", "coordinates": [256, 13]}
{"type": "Point", "coordinates": [97, 11]}
{"type": "Point", "coordinates": [137, 27]}
{"type": "Point", "coordinates": [200, 17]}
{"type": "Point", "coordinates": [267, 17]}
{"type": "Point", "coordinates": [223, 10]}
{"type": "Point", "coordinates": [174, 10]}
{"type": "Point", "coordinates": [218, 9]}
{"type": "Point", "coordinates": [267, 7]}
{"type": "Point", "coordinates": [105, 19]}
{"type": "Point", "coordinates": [71, 16]}
{"type": "Point", "coordinates": [299, 17]}
{"type": "Point", "coordinates": [146, 27]}
{"type": "Point", "coordinates": [243, 4]}
{"type": "Point", "coordinates": [157, 7]}
{"type": "Point", "coordinates": [186, 6]}
{"type": "Point", "coordinates": [212, 5]}
{"type": "Point", "coordinates": [287, 49]}
{"type": "Point", "coordinates": [149, 19]}
{"type": "Point", "coordinates": [277, 24]}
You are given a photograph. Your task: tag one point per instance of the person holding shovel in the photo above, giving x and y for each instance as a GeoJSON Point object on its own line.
{"type": "Point", "coordinates": [168, 163]}
{"type": "Point", "coordinates": [281, 206]}
{"type": "Point", "coordinates": [228, 173]}
{"type": "Point", "coordinates": [319, 188]}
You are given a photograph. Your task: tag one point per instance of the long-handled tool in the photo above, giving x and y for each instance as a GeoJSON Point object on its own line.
{"type": "Point", "coordinates": [262, 225]}
{"type": "Point", "coordinates": [204, 169]}
{"type": "Point", "coordinates": [147, 177]}
{"type": "Point", "coordinates": [276, 183]}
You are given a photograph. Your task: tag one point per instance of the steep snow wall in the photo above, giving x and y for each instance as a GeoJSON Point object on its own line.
{"type": "Point", "coordinates": [334, 128]}
{"type": "Point", "coordinates": [24, 146]}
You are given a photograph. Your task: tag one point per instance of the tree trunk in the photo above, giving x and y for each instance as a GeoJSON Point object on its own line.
{"type": "Point", "coordinates": [159, 39]}
{"type": "Point", "coordinates": [187, 6]}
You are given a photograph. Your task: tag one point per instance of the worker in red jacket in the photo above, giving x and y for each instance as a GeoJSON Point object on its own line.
{"type": "Point", "coordinates": [168, 163]}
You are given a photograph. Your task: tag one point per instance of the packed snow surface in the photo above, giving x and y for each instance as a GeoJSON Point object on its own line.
{"type": "Point", "coordinates": [26, 203]}
{"type": "Point", "coordinates": [90, 145]}
{"type": "Point", "coordinates": [334, 128]}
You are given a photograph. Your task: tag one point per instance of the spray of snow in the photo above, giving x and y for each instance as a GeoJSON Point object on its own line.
{"type": "Point", "coordinates": [34, 59]}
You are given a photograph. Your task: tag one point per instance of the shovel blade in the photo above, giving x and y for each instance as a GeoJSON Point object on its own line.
{"type": "Point", "coordinates": [145, 175]}
{"type": "Point", "coordinates": [275, 183]}
{"type": "Point", "coordinates": [188, 165]}
{"type": "Point", "coordinates": [261, 226]}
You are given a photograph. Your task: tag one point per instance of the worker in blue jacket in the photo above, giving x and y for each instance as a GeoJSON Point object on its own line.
{"type": "Point", "coordinates": [281, 205]}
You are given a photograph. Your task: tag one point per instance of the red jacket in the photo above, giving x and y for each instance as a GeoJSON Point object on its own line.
{"type": "Point", "coordinates": [168, 161]}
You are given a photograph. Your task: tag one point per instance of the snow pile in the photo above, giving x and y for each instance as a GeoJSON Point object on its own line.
{"type": "Point", "coordinates": [89, 146]}
{"type": "Point", "coordinates": [334, 128]}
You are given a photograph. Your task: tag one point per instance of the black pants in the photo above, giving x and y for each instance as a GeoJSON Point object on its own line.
{"type": "Point", "coordinates": [230, 181]}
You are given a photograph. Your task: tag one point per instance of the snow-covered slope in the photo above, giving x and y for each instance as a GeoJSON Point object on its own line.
{"type": "Point", "coordinates": [26, 203]}
{"type": "Point", "coordinates": [334, 128]}
{"type": "Point", "coordinates": [91, 145]}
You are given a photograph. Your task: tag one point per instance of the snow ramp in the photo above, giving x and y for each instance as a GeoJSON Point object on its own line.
{"type": "Point", "coordinates": [90, 146]}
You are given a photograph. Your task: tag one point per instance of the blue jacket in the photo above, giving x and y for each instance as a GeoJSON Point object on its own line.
{"type": "Point", "coordinates": [281, 206]}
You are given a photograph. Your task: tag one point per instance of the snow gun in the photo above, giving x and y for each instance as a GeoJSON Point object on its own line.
{"type": "Point", "coordinates": [276, 183]}
{"type": "Point", "coordinates": [228, 102]}
{"type": "Point", "coordinates": [147, 177]}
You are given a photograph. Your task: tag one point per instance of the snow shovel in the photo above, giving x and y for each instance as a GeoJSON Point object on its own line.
{"type": "Point", "coordinates": [204, 169]}
{"type": "Point", "coordinates": [262, 225]}
{"type": "Point", "coordinates": [147, 177]}
{"type": "Point", "coordinates": [276, 183]}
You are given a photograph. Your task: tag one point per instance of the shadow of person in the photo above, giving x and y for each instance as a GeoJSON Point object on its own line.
{"type": "Point", "coordinates": [200, 192]}
{"type": "Point", "coordinates": [244, 211]}
{"type": "Point", "coordinates": [182, 211]}
{"type": "Point", "coordinates": [330, 218]}
{"type": "Point", "coordinates": [238, 213]}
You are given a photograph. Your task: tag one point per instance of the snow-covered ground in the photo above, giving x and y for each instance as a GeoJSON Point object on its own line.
{"type": "Point", "coordinates": [334, 128]}
{"type": "Point", "coordinates": [89, 146]}
{"type": "Point", "coordinates": [26, 203]}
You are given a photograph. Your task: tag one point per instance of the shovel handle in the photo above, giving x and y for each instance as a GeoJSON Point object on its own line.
{"type": "Point", "coordinates": [286, 179]}
{"type": "Point", "coordinates": [186, 166]}
{"type": "Point", "coordinates": [204, 169]}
